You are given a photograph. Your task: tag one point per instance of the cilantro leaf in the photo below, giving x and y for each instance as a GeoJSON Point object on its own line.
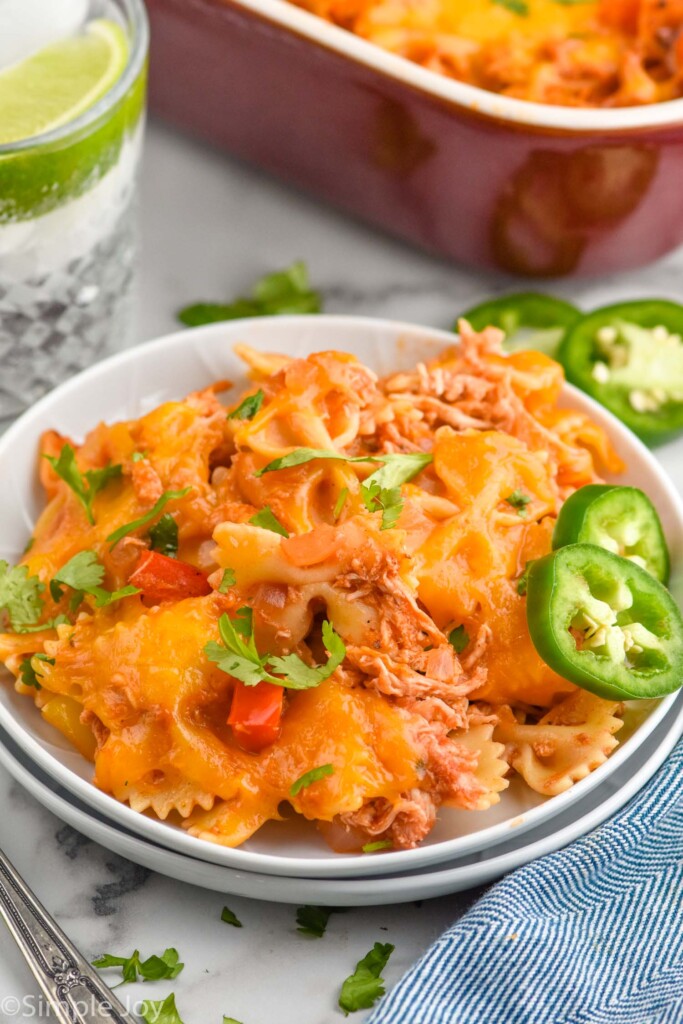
{"type": "Point", "coordinates": [519, 500]}
{"type": "Point", "coordinates": [520, 7]}
{"type": "Point", "coordinates": [84, 574]}
{"type": "Point", "coordinates": [523, 579]}
{"type": "Point", "coordinates": [162, 1011]}
{"type": "Point", "coordinates": [365, 986]}
{"type": "Point", "coordinates": [313, 920]}
{"type": "Point", "coordinates": [154, 968]}
{"type": "Point", "coordinates": [285, 291]}
{"type": "Point", "coordinates": [127, 528]}
{"type": "Point", "coordinates": [309, 777]}
{"type": "Point", "coordinates": [248, 407]}
{"type": "Point", "coordinates": [379, 844]}
{"type": "Point", "coordinates": [158, 968]}
{"type": "Point", "coordinates": [228, 579]}
{"type": "Point", "coordinates": [84, 485]}
{"type": "Point", "coordinates": [230, 1020]}
{"type": "Point", "coordinates": [381, 491]}
{"type": "Point", "coordinates": [386, 500]}
{"type": "Point", "coordinates": [339, 505]}
{"type": "Point", "coordinates": [164, 535]}
{"type": "Point", "coordinates": [229, 917]}
{"type": "Point", "coordinates": [237, 656]}
{"type": "Point", "coordinates": [138, 456]}
{"type": "Point", "coordinates": [458, 638]}
{"type": "Point", "coordinates": [29, 676]}
{"type": "Point", "coordinates": [299, 675]}
{"type": "Point", "coordinates": [302, 455]}
{"type": "Point", "coordinates": [20, 596]}
{"type": "Point", "coordinates": [267, 520]}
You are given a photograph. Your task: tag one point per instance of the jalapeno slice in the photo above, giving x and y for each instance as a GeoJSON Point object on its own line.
{"type": "Point", "coordinates": [620, 519]}
{"type": "Point", "coordinates": [630, 358]}
{"type": "Point", "coordinates": [529, 320]}
{"type": "Point", "coordinates": [605, 623]}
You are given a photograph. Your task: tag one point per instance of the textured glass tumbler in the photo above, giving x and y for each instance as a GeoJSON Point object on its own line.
{"type": "Point", "coordinates": [68, 233]}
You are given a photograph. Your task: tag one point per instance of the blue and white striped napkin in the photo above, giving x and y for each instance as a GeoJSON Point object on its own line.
{"type": "Point", "coordinates": [592, 934]}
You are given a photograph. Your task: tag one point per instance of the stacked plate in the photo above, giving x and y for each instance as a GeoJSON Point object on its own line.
{"type": "Point", "coordinates": [289, 861]}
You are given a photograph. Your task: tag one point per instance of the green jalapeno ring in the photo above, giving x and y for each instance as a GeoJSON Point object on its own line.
{"type": "Point", "coordinates": [629, 357]}
{"type": "Point", "coordinates": [529, 320]}
{"type": "Point", "coordinates": [620, 519]}
{"type": "Point", "coordinates": [605, 623]}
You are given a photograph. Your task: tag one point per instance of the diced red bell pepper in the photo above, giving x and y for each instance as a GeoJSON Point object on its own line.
{"type": "Point", "coordinates": [255, 715]}
{"type": "Point", "coordinates": [161, 578]}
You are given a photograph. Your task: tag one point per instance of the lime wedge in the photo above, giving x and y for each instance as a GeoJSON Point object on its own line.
{"type": "Point", "coordinates": [57, 84]}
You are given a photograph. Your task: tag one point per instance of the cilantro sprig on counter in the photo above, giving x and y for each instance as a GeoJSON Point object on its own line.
{"type": "Point", "coordinates": [161, 1011]}
{"type": "Point", "coordinates": [381, 491]}
{"type": "Point", "coordinates": [283, 292]}
{"type": "Point", "coordinates": [365, 986]}
{"type": "Point", "coordinates": [313, 920]}
{"type": "Point", "coordinates": [84, 485]}
{"type": "Point", "coordinates": [154, 968]}
{"type": "Point", "coordinates": [84, 574]}
{"type": "Point", "coordinates": [228, 916]}
{"type": "Point", "coordinates": [238, 657]}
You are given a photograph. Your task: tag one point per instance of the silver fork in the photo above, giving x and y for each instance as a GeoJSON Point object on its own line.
{"type": "Point", "coordinates": [71, 986]}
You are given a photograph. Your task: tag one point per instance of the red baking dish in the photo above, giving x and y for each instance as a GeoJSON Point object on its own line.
{"type": "Point", "coordinates": [483, 179]}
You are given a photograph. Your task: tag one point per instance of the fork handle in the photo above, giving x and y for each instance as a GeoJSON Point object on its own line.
{"type": "Point", "coordinates": [71, 986]}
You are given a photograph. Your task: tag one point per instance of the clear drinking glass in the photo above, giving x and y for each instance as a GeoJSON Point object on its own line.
{"type": "Point", "coordinates": [68, 233]}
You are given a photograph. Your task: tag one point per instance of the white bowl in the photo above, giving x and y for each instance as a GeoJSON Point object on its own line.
{"type": "Point", "coordinates": [139, 379]}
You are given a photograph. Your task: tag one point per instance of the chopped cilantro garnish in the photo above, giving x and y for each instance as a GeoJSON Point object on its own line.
{"type": "Point", "coordinates": [84, 485]}
{"type": "Point", "coordinates": [127, 528]}
{"type": "Point", "coordinates": [520, 7]}
{"type": "Point", "coordinates": [230, 1020]}
{"type": "Point", "coordinates": [248, 407]}
{"type": "Point", "coordinates": [519, 500]}
{"type": "Point", "coordinates": [378, 844]}
{"type": "Point", "coordinates": [313, 920]}
{"type": "Point", "coordinates": [238, 657]}
{"type": "Point", "coordinates": [365, 986]}
{"type": "Point", "coordinates": [339, 505]}
{"type": "Point", "coordinates": [523, 579]}
{"type": "Point", "coordinates": [20, 596]}
{"type": "Point", "coordinates": [29, 676]}
{"type": "Point", "coordinates": [309, 777]}
{"type": "Point", "coordinates": [154, 968]}
{"type": "Point", "coordinates": [285, 291]}
{"type": "Point", "coordinates": [84, 574]}
{"type": "Point", "coordinates": [458, 638]}
{"type": "Point", "coordinates": [229, 917]}
{"type": "Point", "coordinates": [381, 491]}
{"type": "Point", "coordinates": [29, 544]}
{"type": "Point", "coordinates": [267, 520]}
{"type": "Point", "coordinates": [228, 579]}
{"type": "Point", "coordinates": [161, 1011]}
{"type": "Point", "coordinates": [138, 456]}
{"type": "Point", "coordinates": [164, 535]}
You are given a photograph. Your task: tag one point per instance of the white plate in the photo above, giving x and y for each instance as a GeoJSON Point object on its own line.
{"type": "Point", "coordinates": [477, 869]}
{"type": "Point", "coordinates": [139, 379]}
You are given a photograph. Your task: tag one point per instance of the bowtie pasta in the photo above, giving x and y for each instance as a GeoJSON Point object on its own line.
{"type": "Point", "coordinates": [312, 595]}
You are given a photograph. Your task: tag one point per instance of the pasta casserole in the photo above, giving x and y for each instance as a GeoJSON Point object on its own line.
{"type": "Point", "coordinates": [592, 53]}
{"type": "Point", "coordinates": [312, 597]}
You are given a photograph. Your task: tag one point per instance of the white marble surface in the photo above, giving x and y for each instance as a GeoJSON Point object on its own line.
{"type": "Point", "coordinates": [211, 227]}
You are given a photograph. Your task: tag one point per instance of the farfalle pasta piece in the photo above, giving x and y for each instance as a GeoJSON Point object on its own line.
{"type": "Point", "coordinates": [564, 745]}
{"type": "Point", "coordinates": [492, 768]}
